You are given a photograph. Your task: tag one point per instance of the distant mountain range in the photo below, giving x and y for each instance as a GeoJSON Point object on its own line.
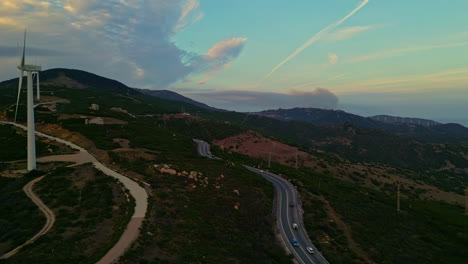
{"type": "Point", "coordinates": [415, 128]}
{"type": "Point", "coordinates": [330, 130]}
{"type": "Point", "coordinates": [320, 117]}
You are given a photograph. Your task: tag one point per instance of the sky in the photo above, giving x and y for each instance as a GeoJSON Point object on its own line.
{"type": "Point", "coordinates": [368, 57]}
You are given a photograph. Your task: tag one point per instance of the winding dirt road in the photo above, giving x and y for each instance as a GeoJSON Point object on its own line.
{"type": "Point", "coordinates": [50, 216]}
{"type": "Point", "coordinates": [132, 229]}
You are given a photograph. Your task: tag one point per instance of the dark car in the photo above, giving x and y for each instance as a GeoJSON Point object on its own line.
{"type": "Point", "coordinates": [291, 204]}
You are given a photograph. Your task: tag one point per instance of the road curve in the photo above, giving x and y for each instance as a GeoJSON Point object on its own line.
{"type": "Point", "coordinates": [286, 194]}
{"type": "Point", "coordinates": [203, 149]}
{"type": "Point", "coordinates": [50, 217]}
{"type": "Point", "coordinates": [138, 193]}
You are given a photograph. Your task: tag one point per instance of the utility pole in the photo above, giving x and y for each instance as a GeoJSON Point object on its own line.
{"type": "Point", "coordinates": [398, 197]}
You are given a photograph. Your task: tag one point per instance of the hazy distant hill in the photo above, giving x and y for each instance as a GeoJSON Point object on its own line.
{"type": "Point", "coordinates": [408, 127]}
{"type": "Point", "coordinates": [319, 117]}
{"type": "Point", "coordinates": [170, 95]}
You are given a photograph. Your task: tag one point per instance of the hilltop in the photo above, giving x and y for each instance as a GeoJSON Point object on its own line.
{"type": "Point", "coordinates": [170, 95]}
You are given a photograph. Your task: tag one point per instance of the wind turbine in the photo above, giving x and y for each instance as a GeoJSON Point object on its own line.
{"type": "Point", "coordinates": [30, 70]}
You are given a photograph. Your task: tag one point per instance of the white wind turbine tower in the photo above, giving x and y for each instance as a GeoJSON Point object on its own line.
{"type": "Point", "coordinates": [30, 70]}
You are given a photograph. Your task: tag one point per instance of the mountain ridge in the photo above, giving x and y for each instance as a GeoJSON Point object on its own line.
{"type": "Point", "coordinates": [171, 95]}
{"type": "Point", "coordinates": [437, 133]}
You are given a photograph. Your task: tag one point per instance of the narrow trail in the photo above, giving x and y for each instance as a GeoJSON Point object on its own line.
{"type": "Point", "coordinates": [50, 216]}
{"type": "Point", "coordinates": [132, 230]}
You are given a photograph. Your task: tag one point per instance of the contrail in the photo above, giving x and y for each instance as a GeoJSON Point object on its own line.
{"type": "Point", "coordinates": [317, 37]}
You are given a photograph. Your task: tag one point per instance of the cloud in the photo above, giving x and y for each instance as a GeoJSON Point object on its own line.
{"type": "Point", "coordinates": [400, 52]}
{"type": "Point", "coordinates": [132, 40]}
{"type": "Point", "coordinates": [423, 83]}
{"type": "Point", "coordinates": [6, 21]}
{"type": "Point", "coordinates": [347, 33]}
{"type": "Point", "coordinates": [332, 58]}
{"type": "Point", "coordinates": [220, 57]}
{"type": "Point", "coordinates": [15, 52]}
{"type": "Point", "coordinates": [316, 37]}
{"type": "Point", "coordinates": [257, 101]}
{"type": "Point", "coordinates": [189, 15]}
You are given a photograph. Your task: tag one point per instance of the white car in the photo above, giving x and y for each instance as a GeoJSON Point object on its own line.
{"type": "Point", "coordinates": [310, 250]}
{"type": "Point", "coordinates": [294, 226]}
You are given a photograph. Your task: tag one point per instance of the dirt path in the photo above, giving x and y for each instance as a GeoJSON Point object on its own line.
{"type": "Point", "coordinates": [77, 158]}
{"type": "Point", "coordinates": [50, 216]}
{"type": "Point", "coordinates": [132, 229]}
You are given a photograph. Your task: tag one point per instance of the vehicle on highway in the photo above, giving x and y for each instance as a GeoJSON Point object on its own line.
{"type": "Point", "coordinates": [310, 250]}
{"type": "Point", "coordinates": [295, 226]}
{"type": "Point", "coordinates": [294, 242]}
{"type": "Point", "coordinates": [291, 204]}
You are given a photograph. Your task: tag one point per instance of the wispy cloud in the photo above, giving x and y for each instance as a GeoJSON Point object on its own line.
{"type": "Point", "coordinates": [414, 82]}
{"type": "Point", "coordinates": [401, 52]}
{"type": "Point", "coordinates": [316, 37]}
{"type": "Point", "coordinates": [347, 33]}
{"type": "Point", "coordinates": [189, 15]}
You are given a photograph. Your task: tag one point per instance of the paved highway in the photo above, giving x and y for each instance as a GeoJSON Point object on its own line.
{"type": "Point", "coordinates": [286, 215]}
{"type": "Point", "coordinates": [203, 149]}
{"type": "Point", "coordinates": [285, 195]}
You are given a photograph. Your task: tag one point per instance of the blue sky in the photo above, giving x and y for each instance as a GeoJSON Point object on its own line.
{"type": "Point", "coordinates": [396, 57]}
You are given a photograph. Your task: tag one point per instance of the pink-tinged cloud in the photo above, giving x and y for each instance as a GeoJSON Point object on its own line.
{"type": "Point", "coordinates": [226, 48]}
{"type": "Point", "coordinates": [220, 57]}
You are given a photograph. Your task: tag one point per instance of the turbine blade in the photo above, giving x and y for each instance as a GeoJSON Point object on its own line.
{"type": "Point", "coordinates": [19, 93]}
{"type": "Point", "coordinates": [24, 48]}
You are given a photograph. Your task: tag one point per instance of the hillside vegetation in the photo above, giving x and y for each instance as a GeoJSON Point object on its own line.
{"type": "Point", "coordinates": [215, 211]}
{"type": "Point", "coordinates": [217, 217]}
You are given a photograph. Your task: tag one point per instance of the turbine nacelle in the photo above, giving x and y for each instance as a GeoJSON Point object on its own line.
{"type": "Point", "coordinates": [31, 68]}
